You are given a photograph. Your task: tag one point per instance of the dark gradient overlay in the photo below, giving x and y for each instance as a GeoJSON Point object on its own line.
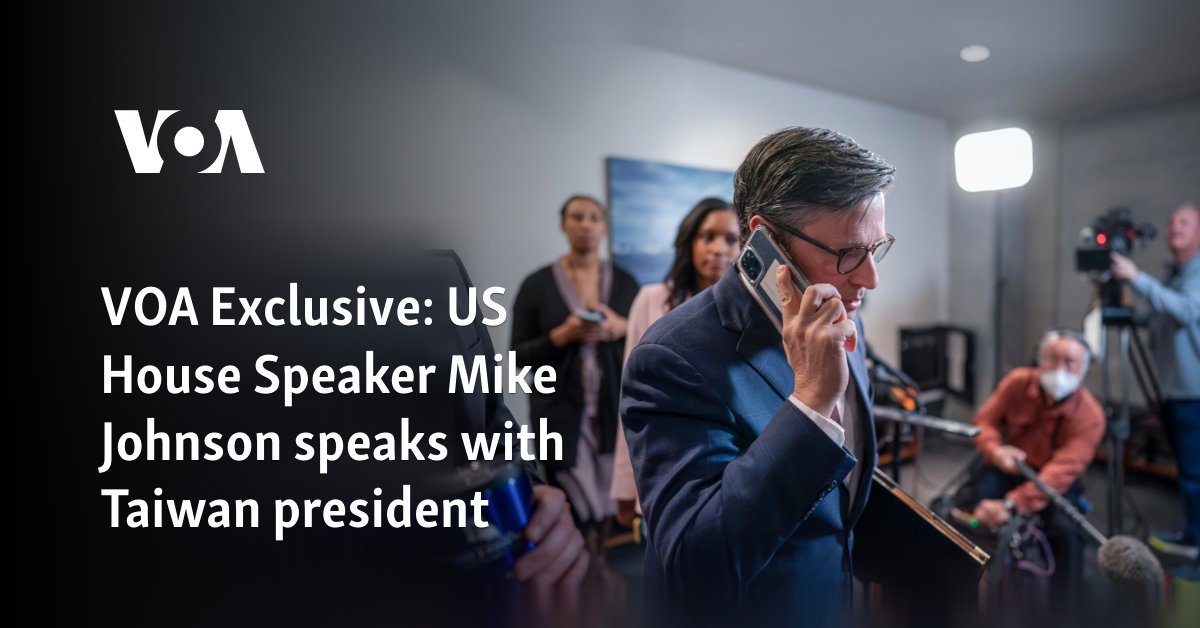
{"type": "Point", "coordinates": [317, 218]}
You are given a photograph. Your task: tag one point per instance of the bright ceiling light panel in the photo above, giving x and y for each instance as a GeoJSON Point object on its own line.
{"type": "Point", "coordinates": [993, 160]}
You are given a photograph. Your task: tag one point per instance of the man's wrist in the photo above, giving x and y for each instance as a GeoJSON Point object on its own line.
{"type": "Point", "coordinates": [831, 428]}
{"type": "Point", "coordinates": [825, 409]}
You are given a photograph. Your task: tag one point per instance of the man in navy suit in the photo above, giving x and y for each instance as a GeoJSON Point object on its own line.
{"type": "Point", "coordinates": [753, 449]}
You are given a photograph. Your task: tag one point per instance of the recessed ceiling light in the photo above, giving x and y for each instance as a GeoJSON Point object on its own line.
{"type": "Point", "coordinates": [975, 54]}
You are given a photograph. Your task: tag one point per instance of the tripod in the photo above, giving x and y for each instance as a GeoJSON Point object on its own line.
{"type": "Point", "coordinates": [1119, 423]}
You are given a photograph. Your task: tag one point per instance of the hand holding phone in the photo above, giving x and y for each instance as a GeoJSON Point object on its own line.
{"type": "Point", "coordinates": [760, 262]}
{"type": "Point", "coordinates": [591, 316]}
{"type": "Point", "coordinates": [574, 328]}
{"type": "Point", "coordinates": [811, 319]}
{"type": "Point", "coordinates": [816, 336]}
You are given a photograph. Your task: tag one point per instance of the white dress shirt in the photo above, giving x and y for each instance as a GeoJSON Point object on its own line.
{"type": "Point", "coordinates": [843, 433]}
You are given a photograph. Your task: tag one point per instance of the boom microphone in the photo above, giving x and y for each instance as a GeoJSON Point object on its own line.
{"type": "Point", "coordinates": [1135, 574]}
{"type": "Point", "coordinates": [1065, 506]}
{"type": "Point", "coordinates": [1128, 560]}
{"type": "Point", "coordinates": [1130, 566]}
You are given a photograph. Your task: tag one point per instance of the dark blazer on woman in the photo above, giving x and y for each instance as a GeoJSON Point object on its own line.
{"type": "Point", "coordinates": [540, 308]}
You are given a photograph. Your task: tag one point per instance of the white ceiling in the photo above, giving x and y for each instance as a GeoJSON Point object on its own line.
{"type": "Point", "coordinates": [1052, 59]}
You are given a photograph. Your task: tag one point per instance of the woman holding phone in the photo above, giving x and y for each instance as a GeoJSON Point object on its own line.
{"type": "Point", "coordinates": [571, 315]}
{"type": "Point", "coordinates": [705, 247]}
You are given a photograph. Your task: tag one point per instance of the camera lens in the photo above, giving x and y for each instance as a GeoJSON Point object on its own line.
{"type": "Point", "coordinates": [1120, 243]}
{"type": "Point", "coordinates": [751, 264]}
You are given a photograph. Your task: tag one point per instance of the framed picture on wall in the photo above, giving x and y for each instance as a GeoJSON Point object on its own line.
{"type": "Point", "coordinates": [647, 200]}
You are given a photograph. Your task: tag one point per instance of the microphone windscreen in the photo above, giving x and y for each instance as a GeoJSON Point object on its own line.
{"type": "Point", "coordinates": [1136, 579]}
{"type": "Point", "coordinates": [1125, 559]}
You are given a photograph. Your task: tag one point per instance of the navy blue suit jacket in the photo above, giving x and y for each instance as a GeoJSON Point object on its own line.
{"type": "Point", "coordinates": [744, 495]}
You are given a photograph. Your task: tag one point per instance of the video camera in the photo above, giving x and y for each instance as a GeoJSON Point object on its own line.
{"type": "Point", "coordinates": [1113, 231]}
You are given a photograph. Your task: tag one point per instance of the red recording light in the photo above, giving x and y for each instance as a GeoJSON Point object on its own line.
{"type": "Point", "coordinates": [1101, 238]}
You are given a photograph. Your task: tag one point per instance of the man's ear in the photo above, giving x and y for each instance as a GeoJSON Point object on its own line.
{"type": "Point", "coordinates": [757, 220]}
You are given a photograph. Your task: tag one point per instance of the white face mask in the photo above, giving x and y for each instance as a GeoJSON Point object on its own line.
{"type": "Point", "coordinates": [1059, 383]}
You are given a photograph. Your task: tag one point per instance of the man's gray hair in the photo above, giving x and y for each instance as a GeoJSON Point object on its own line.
{"type": "Point", "coordinates": [1059, 333]}
{"type": "Point", "coordinates": [795, 173]}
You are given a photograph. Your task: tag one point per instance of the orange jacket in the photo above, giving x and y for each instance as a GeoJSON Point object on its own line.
{"type": "Point", "coordinates": [1060, 439]}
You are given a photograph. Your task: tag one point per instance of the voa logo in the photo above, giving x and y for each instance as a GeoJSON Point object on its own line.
{"type": "Point", "coordinates": [182, 143]}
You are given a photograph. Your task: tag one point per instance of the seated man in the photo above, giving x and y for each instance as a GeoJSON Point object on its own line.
{"type": "Point", "coordinates": [1043, 417]}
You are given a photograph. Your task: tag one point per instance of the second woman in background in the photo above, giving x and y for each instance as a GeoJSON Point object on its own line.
{"type": "Point", "coordinates": [705, 247]}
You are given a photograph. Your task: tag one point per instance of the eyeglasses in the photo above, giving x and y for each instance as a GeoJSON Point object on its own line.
{"type": "Point", "coordinates": [851, 257]}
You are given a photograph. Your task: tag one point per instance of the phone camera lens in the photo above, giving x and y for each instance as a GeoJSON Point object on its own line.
{"type": "Point", "coordinates": [751, 264]}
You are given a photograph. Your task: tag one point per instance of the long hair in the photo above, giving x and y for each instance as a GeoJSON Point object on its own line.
{"type": "Point", "coordinates": [681, 278]}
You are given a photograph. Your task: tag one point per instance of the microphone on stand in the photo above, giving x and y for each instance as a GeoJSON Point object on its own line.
{"type": "Point", "coordinates": [901, 389]}
{"type": "Point", "coordinates": [902, 393]}
{"type": "Point", "coordinates": [896, 373]}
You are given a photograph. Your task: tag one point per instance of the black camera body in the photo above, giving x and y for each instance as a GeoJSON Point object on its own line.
{"type": "Point", "coordinates": [1113, 231]}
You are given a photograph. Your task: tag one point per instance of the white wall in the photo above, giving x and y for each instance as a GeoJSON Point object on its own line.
{"type": "Point", "coordinates": [1145, 159]}
{"type": "Point", "coordinates": [1025, 257]}
{"type": "Point", "coordinates": [508, 131]}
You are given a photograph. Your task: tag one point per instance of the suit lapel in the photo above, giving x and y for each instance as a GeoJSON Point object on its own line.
{"type": "Point", "coordinates": [759, 344]}
{"type": "Point", "coordinates": [762, 347]}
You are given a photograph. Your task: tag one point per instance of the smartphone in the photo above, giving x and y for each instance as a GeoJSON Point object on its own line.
{"type": "Point", "coordinates": [760, 259]}
{"type": "Point", "coordinates": [591, 316]}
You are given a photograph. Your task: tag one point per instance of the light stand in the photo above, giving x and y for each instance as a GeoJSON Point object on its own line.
{"type": "Point", "coordinates": [996, 160]}
{"type": "Point", "coordinates": [998, 292]}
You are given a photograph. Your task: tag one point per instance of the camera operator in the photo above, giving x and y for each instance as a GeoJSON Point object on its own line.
{"type": "Point", "coordinates": [1175, 338]}
{"type": "Point", "coordinates": [1042, 416]}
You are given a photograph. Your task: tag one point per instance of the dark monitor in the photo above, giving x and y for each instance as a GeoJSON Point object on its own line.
{"type": "Point", "coordinates": [940, 357]}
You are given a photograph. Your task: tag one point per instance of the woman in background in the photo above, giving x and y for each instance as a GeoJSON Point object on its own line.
{"type": "Point", "coordinates": [706, 245]}
{"type": "Point", "coordinates": [571, 315]}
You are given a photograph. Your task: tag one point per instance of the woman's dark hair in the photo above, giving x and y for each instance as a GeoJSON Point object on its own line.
{"type": "Point", "coordinates": [562, 211]}
{"type": "Point", "coordinates": [682, 276]}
